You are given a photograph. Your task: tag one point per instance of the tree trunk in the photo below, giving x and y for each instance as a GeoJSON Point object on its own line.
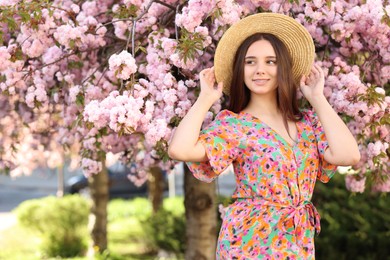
{"type": "Point", "coordinates": [156, 187]}
{"type": "Point", "coordinates": [201, 218]}
{"type": "Point", "coordinates": [98, 185]}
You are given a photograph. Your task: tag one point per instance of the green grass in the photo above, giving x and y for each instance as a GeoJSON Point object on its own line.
{"type": "Point", "coordinates": [17, 243]}
{"type": "Point", "coordinates": [126, 239]}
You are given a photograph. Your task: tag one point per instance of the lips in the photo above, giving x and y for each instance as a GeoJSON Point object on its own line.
{"type": "Point", "coordinates": [260, 82]}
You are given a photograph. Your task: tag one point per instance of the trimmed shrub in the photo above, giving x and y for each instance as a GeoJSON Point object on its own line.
{"type": "Point", "coordinates": [353, 226]}
{"type": "Point", "coordinates": [62, 224]}
{"type": "Point", "coordinates": [166, 230]}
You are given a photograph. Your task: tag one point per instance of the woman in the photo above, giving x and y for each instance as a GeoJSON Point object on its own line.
{"type": "Point", "coordinates": [278, 151]}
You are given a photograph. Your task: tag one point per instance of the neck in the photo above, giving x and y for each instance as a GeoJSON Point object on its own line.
{"type": "Point", "coordinates": [263, 105]}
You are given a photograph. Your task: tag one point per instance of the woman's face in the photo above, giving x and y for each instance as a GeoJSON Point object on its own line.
{"type": "Point", "coordinates": [260, 71]}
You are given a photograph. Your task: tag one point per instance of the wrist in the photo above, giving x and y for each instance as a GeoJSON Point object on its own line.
{"type": "Point", "coordinates": [317, 100]}
{"type": "Point", "coordinates": [205, 100]}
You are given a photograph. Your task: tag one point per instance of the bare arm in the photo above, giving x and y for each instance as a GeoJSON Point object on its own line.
{"type": "Point", "coordinates": [184, 145]}
{"type": "Point", "coordinates": [343, 149]}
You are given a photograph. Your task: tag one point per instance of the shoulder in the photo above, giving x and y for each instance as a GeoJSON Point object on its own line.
{"type": "Point", "coordinates": [310, 116]}
{"type": "Point", "coordinates": [226, 120]}
{"type": "Point", "coordinates": [307, 112]}
{"type": "Point", "coordinates": [227, 116]}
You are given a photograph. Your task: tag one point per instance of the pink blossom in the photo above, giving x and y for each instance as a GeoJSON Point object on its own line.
{"type": "Point", "coordinates": [179, 62]}
{"type": "Point", "coordinates": [193, 14]}
{"type": "Point", "coordinates": [374, 149]}
{"type": "Point", "coordinates": [4, 58]}
{"type": "Point", "coordinates": [231, 12]}
{"type": "Point", "coordinates": [123, 64]}
{"type": "Point", "coordinates": [8, 2]}
{"type": "Point", "coordinates": [90, 166]}
{"type": "Point", "coordinates": [64, 58]}
{"type": "Point", "coordinates": [158, 129]}
{"type": "Point", "coordinates": [384, 132]}
{"type": "Point", "coordinates": [169, 46]}
{"type": "Point", "coordinates": [73, 92]}
{"type": "Point", "coordinates": [75, 8]}
{"type": "Point", "coordinates": [382, 185]}
{"type": "Point", "coordinates": [95, 114]}
{"type": "Point", "coordinates": [385, 73]}
{"type": "Point", "coordinates": [355, 183]}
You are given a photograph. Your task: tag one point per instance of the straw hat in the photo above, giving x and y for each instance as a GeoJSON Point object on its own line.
{"type": "Point", "coordinates": [296, 38]}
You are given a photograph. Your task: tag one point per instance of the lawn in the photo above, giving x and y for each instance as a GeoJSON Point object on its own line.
{"type": "Point", "coordinates": [126, 237]}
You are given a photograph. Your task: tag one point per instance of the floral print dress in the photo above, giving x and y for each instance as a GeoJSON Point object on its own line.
{"type": "Point", "coordinates": [272, 216]}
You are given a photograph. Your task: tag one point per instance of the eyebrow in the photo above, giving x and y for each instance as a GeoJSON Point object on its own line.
{"type": "Point", "coordinates": [267, 57]}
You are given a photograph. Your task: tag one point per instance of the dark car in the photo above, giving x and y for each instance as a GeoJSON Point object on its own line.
{"type": "Point", "coordinates": [119, 184]}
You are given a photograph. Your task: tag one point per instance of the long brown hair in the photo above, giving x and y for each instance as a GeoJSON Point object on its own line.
{"type": "Point", "coordinates": [287, 89]}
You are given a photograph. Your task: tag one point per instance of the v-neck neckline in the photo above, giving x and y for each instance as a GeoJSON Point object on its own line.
{"type": "Point", "coordinates": [297, 125]}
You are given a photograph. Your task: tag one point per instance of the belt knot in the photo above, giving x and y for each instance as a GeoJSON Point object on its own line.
{"type": "Point", "coordinates": [295, 212]}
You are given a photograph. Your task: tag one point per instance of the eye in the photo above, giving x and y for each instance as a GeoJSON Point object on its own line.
{"type": "Point", "coordinates": [271, 62]}
{"type": "Point", "coordinates": [249, 62]}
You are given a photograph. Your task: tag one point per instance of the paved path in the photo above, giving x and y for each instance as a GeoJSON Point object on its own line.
{"type": "Point", "coordinates": [7, 219]}
{"type": "Point", "coordinates": [14, 191]}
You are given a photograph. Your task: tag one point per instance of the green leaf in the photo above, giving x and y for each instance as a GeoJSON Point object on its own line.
{"type": "Point", "coordinates": [75, 64]}
{"type": "Point", "coordinates": [385, 18]}
{"type": "Point", "coordinates": [141, 48]}
{"type": "Point", "coordinates": [2, 78]}
{"type": "Point", "coordinates": [72, 43]}
{"type": "Point", "coordinates": [25, 16]}
{"type": "Point", "coordinates": [103, 131]}
{"type": "Point", "coordinates": [80, 99]}
{"type": "Point", "coordinates": [174, 121]}
{"type": "Point", "coordinates": [89, 125]}
{"type": "Point", "coordinates": [12, 25]}
{"type": "Point", "coordinates": [1, 38]}
{"type": "Point", "coordinates": [121, 132]}
{"type": "Point", "coordinates": [189, 45]}
{"type": "Point", "coordinates": [37, 103]}
{"type": "Point", "coordinates": [77, 121]}
{"type": "Point", "coordinates": [101, 155]}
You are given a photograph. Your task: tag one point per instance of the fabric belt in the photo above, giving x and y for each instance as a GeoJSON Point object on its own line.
{"type": "Point", "coordinates": [295, 212]}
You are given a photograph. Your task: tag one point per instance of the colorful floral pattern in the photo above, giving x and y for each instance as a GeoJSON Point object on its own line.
{"type": "Point", "coordinates": [272, 216]}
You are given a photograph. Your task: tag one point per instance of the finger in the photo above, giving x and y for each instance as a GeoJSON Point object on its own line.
{"type": "Point", "coordinates": [203, 73]}
{"type": "Point", "coordinates": [320, 70]}
{"type": "Point", "coordinates": [303, 79]}
{"type": "Point", "coordinates": [220, 86]}
{"type": "Point", "coordinates": [314, 71]}
{"type": "Point", "coordinates": [210, 76]}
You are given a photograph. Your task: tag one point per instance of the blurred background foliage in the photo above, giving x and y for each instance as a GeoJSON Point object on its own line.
{"type": "Point", "coordinates": [60, 223]}
{"type": "Point", "coordinates": [354, 226]}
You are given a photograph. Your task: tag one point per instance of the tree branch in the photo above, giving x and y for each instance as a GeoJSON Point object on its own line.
{"type": "Point", "coordinates": [165, 4]}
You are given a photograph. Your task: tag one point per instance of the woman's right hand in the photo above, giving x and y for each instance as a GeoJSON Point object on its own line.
{"type": "Point", "coordinates": [208, 89]}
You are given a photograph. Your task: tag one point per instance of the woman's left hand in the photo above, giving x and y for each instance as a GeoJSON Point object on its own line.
{"type": "Point", "coordinates": [312, 86]}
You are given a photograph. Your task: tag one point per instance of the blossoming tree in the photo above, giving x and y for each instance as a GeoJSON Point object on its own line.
{"type": "Point", "coordinates": [104, 76]}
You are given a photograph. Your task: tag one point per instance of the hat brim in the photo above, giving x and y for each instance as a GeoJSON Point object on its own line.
{"type": "Point", "coordinates": [294, 35]}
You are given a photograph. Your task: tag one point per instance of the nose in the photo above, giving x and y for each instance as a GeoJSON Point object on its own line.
{"type": "Point", "coordinates": [259, 69]}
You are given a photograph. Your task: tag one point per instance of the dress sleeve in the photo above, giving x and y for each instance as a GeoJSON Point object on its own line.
{"type": "Point", "coordinates": [221, 142]}
{"type": "Point", "coordinates": [325, 169]}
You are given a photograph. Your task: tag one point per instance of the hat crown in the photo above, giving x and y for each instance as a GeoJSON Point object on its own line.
{"type": "Point", "coordinates": [295, 37]}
